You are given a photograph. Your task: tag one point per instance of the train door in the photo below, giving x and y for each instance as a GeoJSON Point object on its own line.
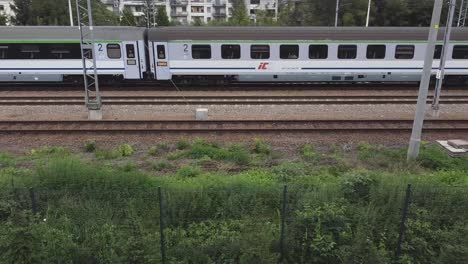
{"type": "Point", "coordinates": [162, 61]}
{"type": "Point", "coordinates": [131, 60]}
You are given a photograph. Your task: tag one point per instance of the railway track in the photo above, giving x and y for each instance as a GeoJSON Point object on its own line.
{"type": "Point", "coordinates": [84, 126]}
{"type": "Point", "coordinates": [229, 100]}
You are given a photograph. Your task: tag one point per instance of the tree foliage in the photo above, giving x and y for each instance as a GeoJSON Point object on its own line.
{"type": "Point", "coordinates": [239, 14]}
{"type": "Point", "coordinates": [55, 12]}
{"type": "Point", "coordinates": [3, 20]}
{"type": "Point", "coordinates": [127, 18]}
{"type": "Point", "coordinates": [162, 20]}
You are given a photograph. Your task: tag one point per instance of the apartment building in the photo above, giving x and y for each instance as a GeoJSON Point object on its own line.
{"type": "Point", "coordinates": [188, 11]}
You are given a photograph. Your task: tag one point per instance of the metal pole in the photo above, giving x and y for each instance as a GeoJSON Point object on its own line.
{"type": "Point", "coordinates": [161, 227]}
{"type": "Point", "coordinates": [460, 13]}
{"type": "Point", "coordinates": [368, 13]}
{"type": "Point", "coordinates": [70, 12]}
{"type": "Point", "coordinates": [283, 222]}
{"type": "Point", "coordinates": [404, 216]}
{"type": "Point", "coordinates": [337, 11]}
{"type": "Point", "coordinates": [443, 57]}
{"type": "Point", "coordinates": [415, 141]}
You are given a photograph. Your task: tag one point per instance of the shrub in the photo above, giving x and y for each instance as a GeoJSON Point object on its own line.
{"type": "Point", "coordinates": [260, 147]}
{"type": "Point", "coordinates": [288, 171]}
{"type": "Point", "coordinates": [153, 151]}
{"type": "Point", "coordinates": [356, 186]}
{"type": "Point", "coordinates": [183, 144]}
{"type": "Point", "coordinates": [161, 165]}
{"type": "Point", "coordinates": [189, 172]}
{"type": "Point", "coordinates": [90, 146]}
{"type": "Point", "coordinates": [125, 150]}
{"type": "Point", "coordinates": [238, 154]}
{"type": "Point", "coordinates": [6, 160]}
{"type": "Point", "coordinates": [128, 166]}
{"type": "Point", "coordinates": [45, 151]}
{"type": "Point", "coordinates": [433, 157]}
{"type": "Point", "coordinates": [175, 155]}
{"type": "Point", "coordinates": [107, 154]}
{"type": "Point", "coordinates": [308, 152]}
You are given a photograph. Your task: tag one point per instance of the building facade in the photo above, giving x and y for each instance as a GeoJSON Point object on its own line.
{"type": "Point", "coordinates": [185, 12]}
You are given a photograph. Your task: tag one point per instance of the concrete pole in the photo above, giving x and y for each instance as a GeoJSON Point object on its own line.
{"type": "Point", "coordinates": [70, 12]}
{"type": "Point", "coordinates": [415, 141]}
{"type": "Point", "coordinates": [368, 13]}
{"type": "Point", "coordinates": [337, 11]}
{"type": "Point", "coordinates": [443, 58]}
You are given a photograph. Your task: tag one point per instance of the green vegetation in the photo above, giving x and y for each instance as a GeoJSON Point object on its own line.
{"type": "Point", "coordinates": [220, 205]}
{"type": "Point", "coordinates": [291, 13]}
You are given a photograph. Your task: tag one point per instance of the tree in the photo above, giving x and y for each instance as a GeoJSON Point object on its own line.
{"type": "Point", "coordinates": [239, 14]}
{"type": "Point", "coordinates": [3, 20]}
{"type": "Point", "coordinates": [162, 20]}
{"type": "Point", "coordinates": [265, 18]}
{"type": "Point", "coordinates": [128, 19]}
{"type": "Point", "coordinates": [22, 10]}
{"type": "Point", "coordinates": [197, 22]}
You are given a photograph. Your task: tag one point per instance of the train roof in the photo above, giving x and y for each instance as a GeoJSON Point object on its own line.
{"type": "Point", "coordinates": [68, 33]}
{"type": "Point", "coordinates": [300, 33]}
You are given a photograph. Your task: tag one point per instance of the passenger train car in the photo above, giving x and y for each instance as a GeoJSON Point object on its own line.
{"type": "Point", "coordinates": [194, 55]}
{"type": "Point", "coordinates": [300, 54]}
{"type": "Point", "coordinates": [54, 54]}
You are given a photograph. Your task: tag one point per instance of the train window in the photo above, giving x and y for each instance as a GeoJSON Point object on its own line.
{"type": "Point", "coordinates": [376, 51]}
{"type": "Point", "coordinates": [347, 51]}
{"type": "Point", "coordinates": [63, 51]}
{"type": "Point", "coordinates": [318, 51]}
{"type": "Point", "coordinates": [230, 51]}
{"type": "Point", "coordinates": [404, 52]}
{"type": "Point", "coordinates": [290, 52]}
{"type": "Point", "coordinates": [130, 48]}
{"type": "Point", "coordinates": [460, 52]}
{"type": "Point", "coordinates": [3, 52]}
{"type": "Point", "coordinates": [88, 54]}
{"type": "Point", "coordinates": [201, 51]}
{"type": "Point", "coordinates": [260, 52]}
{"type": "Point", "coordinates": [438, 52]}
{"type": "Point", "coordinates": [113, 51]}
{"type": "Point", "coordinates": [161, 49]}
{"type": "Point", "coordinates": [29, 51]}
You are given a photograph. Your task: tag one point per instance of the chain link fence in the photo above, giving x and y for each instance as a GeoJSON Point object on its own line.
{"type": "Point", "coordinates": [271, 224]}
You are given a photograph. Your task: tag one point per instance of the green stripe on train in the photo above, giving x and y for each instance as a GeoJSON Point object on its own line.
{"type": "Point", "coordinates": [46, 41]}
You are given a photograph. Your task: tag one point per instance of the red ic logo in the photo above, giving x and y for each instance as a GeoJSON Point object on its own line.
{"type": "Point", "coordinates": [263, 66]}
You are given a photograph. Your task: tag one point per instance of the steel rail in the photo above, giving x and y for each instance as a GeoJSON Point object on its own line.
{"type": "Point", "coordinates": [227, 100]}
{"type": "Point", "coordinates": [69, 126]}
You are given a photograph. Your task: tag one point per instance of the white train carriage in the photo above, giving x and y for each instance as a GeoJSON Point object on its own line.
{"type": "Point", "coordinates": [300, 54]}
{"type": "Point", "coordinates": [45, 54]}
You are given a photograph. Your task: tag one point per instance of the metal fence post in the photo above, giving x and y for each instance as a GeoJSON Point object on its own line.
{"type": "Point", "coordinates": [283, 223]}
{"type": "Point", "coordinates": [404, 216]}
{"type": "Point", "coordinates": [32, 195]}
{"type": "Point", "coordinates": [161, 227]}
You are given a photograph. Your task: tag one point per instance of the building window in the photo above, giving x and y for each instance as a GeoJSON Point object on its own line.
{"type": "Point", "coordinates": [376, 52]}
{"type": "Point", "coordinates": [289, 52]}
{"type": "Point", "coordinates": [438, 52]}
{"type": "Point", "coordinates": [254, 2]}
{"type": "Point", "coordinates": [347, 52]}
{"type": "Point", "coordinates": [208, 10]}
{"type": "Point", "coordinates": [113, 51]}
{"type": "Point", "coordinates": [404, 52]}
{"type": "Point", "coordinates": [460, 52]}
{"type": "Point", "coordinates": [260, 52]}
{"type": "Point", "coordinates": [318, 52]}
{"type": "Point", "coordinates": [230, 51]}
{"type": "Point", "coordinates": [201, 51]}
{"type": "Point", "coordinates": [2, 8]}
{"type": "Point", "coordinates": [161, 52]}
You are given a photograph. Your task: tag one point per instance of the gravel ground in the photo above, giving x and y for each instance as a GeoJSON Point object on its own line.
{"type": "Point", "coordinates": [227, 112]}
{"type": "Point", "coordinates": [285, 142]}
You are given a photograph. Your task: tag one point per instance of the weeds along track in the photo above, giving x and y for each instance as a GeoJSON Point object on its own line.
{"type": "Point", "coordinates": [84, 126]}
{"type": "Point", "coordinates": [229, 100]}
